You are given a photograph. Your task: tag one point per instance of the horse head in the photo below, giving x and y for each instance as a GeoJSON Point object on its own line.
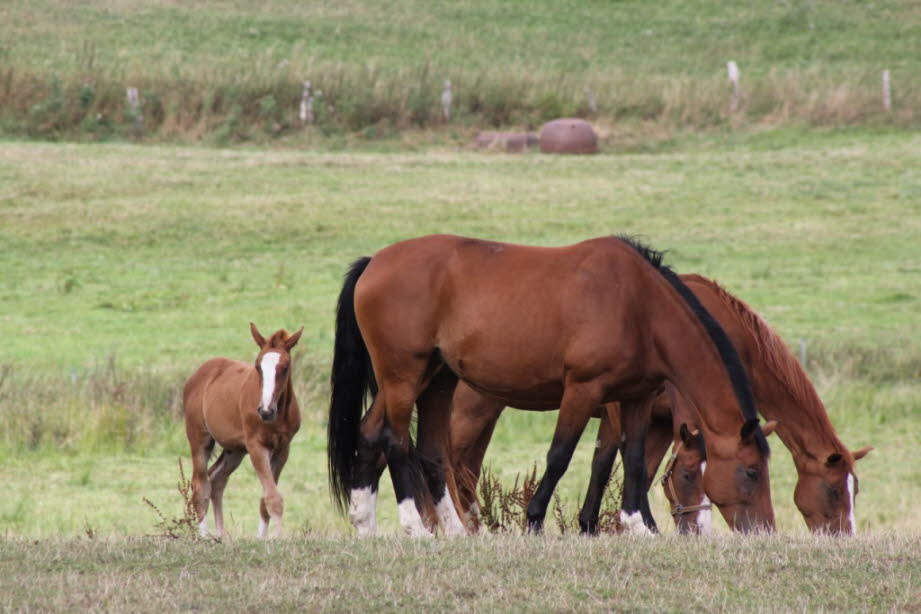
{"type": "Point", "coordinates": [826, 491]}
{"type": "Point", "coordinates": [683, 484]}
{"type": "Point", "coordinates": [273, 366]}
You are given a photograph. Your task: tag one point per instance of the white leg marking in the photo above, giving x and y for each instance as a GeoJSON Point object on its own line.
{"type": "Point", "coordinates": [850, 492]}
{"type": "Point", "coordinates": [203, 527]}
{"type": "Point", "coordinates": [263, 527]}
{"type": "Point", "coordinates": [410, 519]}
{"type": "Point", "coordinates": [448, 519]}
{"type": "Point", "coordinates": [633, 524]}
{"type": "Point", "coordinates": [363, 511]}
{"type": "Point", "coordinates": [269, 362]}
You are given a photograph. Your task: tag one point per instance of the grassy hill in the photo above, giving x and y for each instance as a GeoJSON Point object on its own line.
{"type": "Point", "coordinates": [230, 71]}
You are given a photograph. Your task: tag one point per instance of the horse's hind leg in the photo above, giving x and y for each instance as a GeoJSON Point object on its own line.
{"type": "Point", "coordinates": [219, 473]}
{"type": "Point", "coordinates": [279, 458]}
{"type": "Point", "coordinates": [369, 464]}
{"type": "Point", "coordinates": [578, 405]}
{"type": "Point", "coordinates": [434, 446]}
{"type": "Point", "coordinates": [201, 444]}
{"type": "Point", "coordinates": [602, 463]}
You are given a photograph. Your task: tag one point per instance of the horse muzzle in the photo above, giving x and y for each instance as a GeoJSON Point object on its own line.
{"type": "Point", "coordinates": [267, 415]}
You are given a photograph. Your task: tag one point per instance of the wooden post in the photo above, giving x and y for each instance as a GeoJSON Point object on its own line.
{"type": "Point", "coordinates": [306, 111]}
{"type": "Point", "coordinates": [447, 97]}
{"type": "Point", "coordinates": [134, 105]}
{"type": "Point", "coordinates": [592, 103]}
{"type": "Point", "coordinates": [887, 92]}
{"type": "Point", "coordinates": [736, 96]}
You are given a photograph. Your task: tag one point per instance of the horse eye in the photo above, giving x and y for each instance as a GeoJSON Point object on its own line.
{"type": "Point", "coordinates": [752, 474]}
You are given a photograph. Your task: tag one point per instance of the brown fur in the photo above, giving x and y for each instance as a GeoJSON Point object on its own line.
{"type": "Point", "coordinates": [221, 401]}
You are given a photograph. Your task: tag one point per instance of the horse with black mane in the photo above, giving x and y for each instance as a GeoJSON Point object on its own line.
{"type": "Point", "coordinates": [536, 328]}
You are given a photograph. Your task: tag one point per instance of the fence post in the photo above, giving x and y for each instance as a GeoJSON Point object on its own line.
{"type": "Point", "coordinates": [134, 106]}
{"type": "Point", "coordinates": [447, 97]}
{"type": "Point", "coordinates": [736, 96]}
{"type": "Point", "coordinates": [592, 103]}
{"type": "Point", "coordinates": [306, 111]}
{"type": "Point", "coordinates": [887, 92]}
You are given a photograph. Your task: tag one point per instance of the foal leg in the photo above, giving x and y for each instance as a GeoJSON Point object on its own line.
{"type": "Point", "coordinates": [219, 473]}
{"type": "Point", "coordinates": [261, 458]}
{"type": "Point", "coordinates": [635, 514]}
{"type": "Point", "coordinates": [202, 444]}
{"type": "Point", "coordinates": [434, 442]}
{"type": "Point", "coordinates": [579, 402]}
{"type": "Point", "coordinates": [608, 442]}
{"type": "Point", "coordinates": [278, 460]}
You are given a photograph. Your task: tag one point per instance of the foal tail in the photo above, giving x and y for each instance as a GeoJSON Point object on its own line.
{"type": "Point", "coordinates": [352, 379]}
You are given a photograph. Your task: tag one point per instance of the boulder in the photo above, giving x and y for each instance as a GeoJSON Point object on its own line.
{"type": "Point", "coordinates": [568, 135]}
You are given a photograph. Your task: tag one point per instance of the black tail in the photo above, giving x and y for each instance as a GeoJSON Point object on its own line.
{"type": "Point", "coordinates": [352, 379]}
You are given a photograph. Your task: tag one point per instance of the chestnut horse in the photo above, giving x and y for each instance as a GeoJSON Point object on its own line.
{"type": "Point", "coordinates": [826, 486]}
{"type": "Point", "coordinates": [536, 328]}
{"type": "Point", "coordinates": [246, 408]}
{"type": "Point", "coordinates": [474, 417]}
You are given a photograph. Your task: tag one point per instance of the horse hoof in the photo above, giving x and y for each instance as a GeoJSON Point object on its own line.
{"type": "Point", "coordinates": [633, 524]}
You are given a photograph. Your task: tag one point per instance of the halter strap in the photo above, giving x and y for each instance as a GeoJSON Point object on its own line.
{"type": "Point", "coordinates": [669, 483]}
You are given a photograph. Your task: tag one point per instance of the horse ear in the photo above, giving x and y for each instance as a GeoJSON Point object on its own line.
{"type": "Point", "coordinates": [257, 337]}
{"type": "Point", "coordinates": [749, 428]}
{"type": "Point", "coordinates": [685, 434]}
{"type": "Point", "coordinates": [293, 339]}
{"type": "Point", "coordinates": [858, 454]}
{"type": "Point", "coordinates": [769, 427]}
{"type": "Point", "coordinates": [833, 459]}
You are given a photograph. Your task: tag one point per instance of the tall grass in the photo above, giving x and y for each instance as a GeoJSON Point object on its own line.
{"type": "Point", "coordinates": [223, 106]}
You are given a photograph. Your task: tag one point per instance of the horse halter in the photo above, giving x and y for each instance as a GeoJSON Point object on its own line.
{"type": "Point", "coordinates": [668, 482]}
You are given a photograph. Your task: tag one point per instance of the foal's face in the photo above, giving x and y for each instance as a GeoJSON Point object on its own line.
{"type": "Point", "coordinates": [273, 367]}
{"type": "Point", "coordinates": [826, 492]}
{"type": "Point", "coordinates": [737, 482]}
{"type": "Point", "coordinates": [687, 481]}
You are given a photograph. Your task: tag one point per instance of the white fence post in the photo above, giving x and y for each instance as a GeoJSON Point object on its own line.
{"type": "Point", "coordinates": [306, 111]}
{"type": "Point", "coordinates": [887, 92]}
{"type": "Point", "coordinates": [736, 96]}
{"type": "Point", "coordinates": [447, 97]}
{"type": "Point", "coordinates": [134, 104]}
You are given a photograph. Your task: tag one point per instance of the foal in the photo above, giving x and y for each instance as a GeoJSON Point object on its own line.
{"type": "Point", "coordinates": [247, 409]}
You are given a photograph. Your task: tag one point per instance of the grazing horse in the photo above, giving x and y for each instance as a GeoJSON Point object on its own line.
{"type": "Point", "coordinates": [536, 328]}
{"type": "Point", "coordinates": [474, 417]}
{"type": "Point", "coordinates": [247, 408]}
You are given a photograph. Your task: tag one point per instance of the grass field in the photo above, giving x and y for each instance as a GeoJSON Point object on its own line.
{"type": "Point", "coordinates": [779, 574]}
{"type": "Point", "coordinates": [125, 266]}
{"type": "Point", "coordinates": [229, 71]}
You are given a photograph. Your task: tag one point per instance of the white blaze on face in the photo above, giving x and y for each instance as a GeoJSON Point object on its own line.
{"type": "Point", "coordinates": [704, 519]}
{"type": "Point", "coordinates": [850, 492]}
{"type": "Point", "coordinates": [269, 362]}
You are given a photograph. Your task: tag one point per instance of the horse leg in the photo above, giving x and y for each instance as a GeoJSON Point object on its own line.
{"type": "Point", "coordinates": [635, 515]}
{"type": "Point", "coordinates": [602, 463]}
{"type": "Point", "coordinates": [433, 443]}
{"type": "Point", "coordinates": [579, 402]}
{"type": "Point", "coordinates": [278, 460]}
{"type": "Point", "coordinates": [405, 470]}
{"type": "Point", "coordinates": [473, 419]}
{"type": "Point", "coordinates": [272, 500]}
{"type": "Point", "coordinates": [369, 464]}
{"type": "Point", "coordinates": [219, 473]}
{"type": "Point", "coordinates": [201, 444]}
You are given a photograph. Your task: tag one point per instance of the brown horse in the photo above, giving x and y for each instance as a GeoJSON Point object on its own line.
{"type": "Point", "coordinates": [826, 485]}
{"type": "Point", "coordinates": [536, 328]}
{"type": "Point", "coordinates": [246, 408]}
{"type": "Point", "coordinates": [474, 417]}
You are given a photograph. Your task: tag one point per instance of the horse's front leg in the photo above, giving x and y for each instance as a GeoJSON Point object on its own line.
{"type": "Point", "coordinates": [278, 460]}
{"type": "Point", "coordinates": [606, 448]}
{"type": "Point", "coordinates": [272, 501]}
{"type": "Point", "coordinates": [635, 515]}
{"type": "Point", "coordinates": [579, 403]}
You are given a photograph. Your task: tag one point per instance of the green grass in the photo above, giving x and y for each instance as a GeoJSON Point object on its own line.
{"type": "Point", "coordinates": [779, 574]}
{"type": "Point", "coordinates": [233, 71]}
{"type": "Point", "coordinates": [124, 267]}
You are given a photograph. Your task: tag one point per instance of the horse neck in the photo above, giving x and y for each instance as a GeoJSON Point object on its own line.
{"type": "Point", "coordinates": [693, 365]}
{"type": "Point", "coordinates": [781, 386]}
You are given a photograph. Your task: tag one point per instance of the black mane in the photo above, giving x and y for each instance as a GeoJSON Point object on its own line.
{"type": "Point", "coordinates": [737, 374]}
